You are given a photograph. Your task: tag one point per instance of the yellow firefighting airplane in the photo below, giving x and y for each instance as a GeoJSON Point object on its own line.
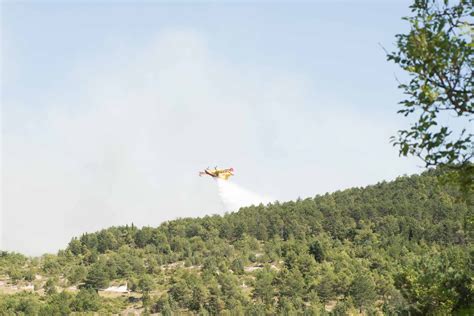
{"type": "Point", "coordinates": [218, 173]}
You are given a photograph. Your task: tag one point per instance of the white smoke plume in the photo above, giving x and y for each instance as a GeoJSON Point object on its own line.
{"type": "Point", "coordinates": [234, 196]}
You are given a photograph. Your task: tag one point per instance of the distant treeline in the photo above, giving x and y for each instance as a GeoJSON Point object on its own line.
{"type": "Point", "coordinates": [401, 247]}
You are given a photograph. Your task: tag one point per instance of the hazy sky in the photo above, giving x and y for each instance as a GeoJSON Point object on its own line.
{"type": "Point", "coordinates": [109, 110]}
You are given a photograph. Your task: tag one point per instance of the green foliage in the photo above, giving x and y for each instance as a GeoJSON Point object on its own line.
{"type": "Point", "coordinates": [76, 274]}
{"type": "Point", "coordinates": [438, 54]}
{"type": "Point", "coordinates": [395, 248]}
{"type": "Point", "coordinates": [20, 304]}
{"type": "Point", "coordinates": [238, 266]}
{"type": "Point", "coordinates": [63, 303]}
{"type": "Point", "coordinates": [50, 265]}
{"type": "Point", "coordinates": [362, 291]}
{"type": "Point", "coordinates": [86, 300]}
{"type": "Point", "coordinates": [344, 307]}
{"type": "Point", "coordinates": [162, 306]}
{"type": "Point", "coordinates": [264, 289]}
{"type": "Point", "coordinates": [17, 266]}
{"type": "Point", "coordinates": [317, 251]}
{"type": "Point", "coordinates": [320, 247]}
{"type": "Point", "coordinates": [146, 283]}
{"type": "Point", "coordinates": [98, 276]}
{"type": "Point", "coordinates": [50, 286]}
{"type": "Point", "coordinates": [436, 282]}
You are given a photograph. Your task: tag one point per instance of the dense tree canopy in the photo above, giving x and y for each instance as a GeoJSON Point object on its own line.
{"type": "Point", "coordinates": [403, 246]}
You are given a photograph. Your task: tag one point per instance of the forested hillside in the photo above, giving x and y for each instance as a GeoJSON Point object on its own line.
{"type": "Point", "coordinates": [393, 248]}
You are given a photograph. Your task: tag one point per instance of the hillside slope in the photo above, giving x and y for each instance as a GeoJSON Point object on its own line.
{"type": "Point", "coordinates": [402, 246]}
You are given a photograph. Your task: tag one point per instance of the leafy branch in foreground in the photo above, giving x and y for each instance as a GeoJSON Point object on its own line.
{"type": "Point", "coordinates": [437, 53]}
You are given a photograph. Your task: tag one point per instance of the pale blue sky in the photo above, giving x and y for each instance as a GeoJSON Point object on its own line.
{"type": "Point", "coordinates": [110, 109]}
{"type": "Point", "coordinates": [323, 40]}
